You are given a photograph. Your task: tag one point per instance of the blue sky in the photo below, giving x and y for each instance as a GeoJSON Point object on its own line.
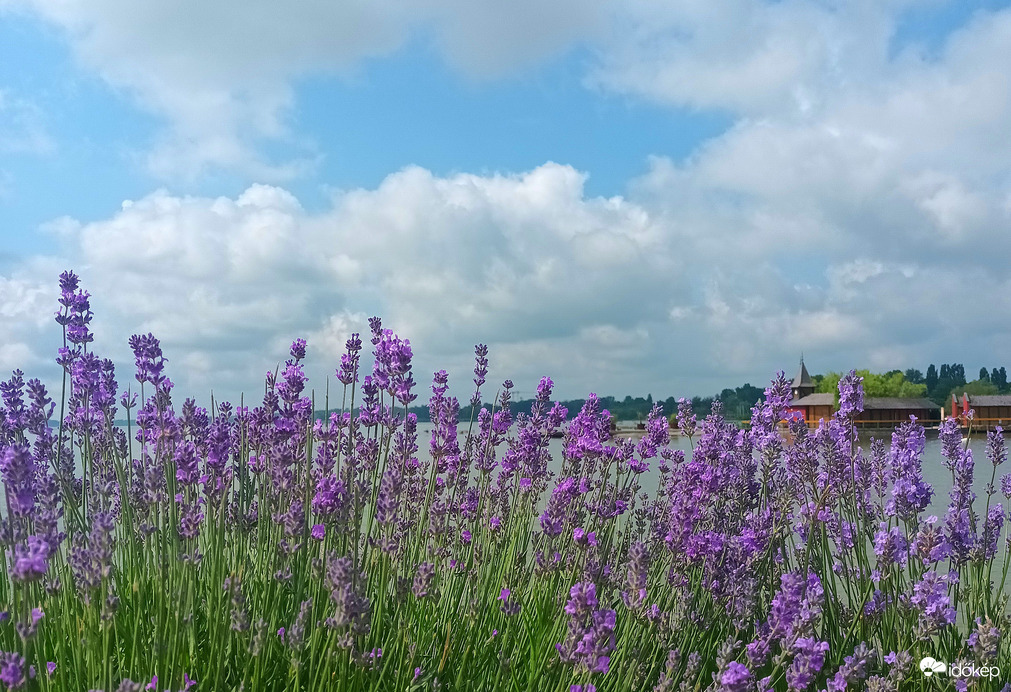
{"type": "Point", "coordinates": [406, 109]}
{"type": "Point", "coordinates": [631, 197]}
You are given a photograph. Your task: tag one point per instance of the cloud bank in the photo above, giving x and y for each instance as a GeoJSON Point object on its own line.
{"type": "Point", "coordinates": [858, 209]}
{"type": "Point", "coordinates": [614, 294]}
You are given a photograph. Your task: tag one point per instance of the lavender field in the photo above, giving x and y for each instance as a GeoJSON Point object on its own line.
{"type": "Point", "coordinates": [259, 548]}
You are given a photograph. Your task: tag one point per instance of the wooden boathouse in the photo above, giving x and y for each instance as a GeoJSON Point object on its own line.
{"type": "Point", "coordinates": [879, 412]}
{"type": "Point", "coordinates": [812, 406]}
{"type": "Point", "coordinates": [989, 410]}
{"type": "Point", "coordinates": [887, 412]}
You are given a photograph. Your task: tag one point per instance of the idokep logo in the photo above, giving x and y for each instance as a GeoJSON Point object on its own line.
{"type": "Point", "coordinates": [959, 669]}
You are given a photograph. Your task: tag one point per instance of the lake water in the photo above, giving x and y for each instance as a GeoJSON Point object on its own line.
{"type": "Point", "coordinates": [934, 471]}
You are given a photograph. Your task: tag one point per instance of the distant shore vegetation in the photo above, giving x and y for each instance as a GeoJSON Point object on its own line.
{"type": "Point", "coordinates": [938, 384]}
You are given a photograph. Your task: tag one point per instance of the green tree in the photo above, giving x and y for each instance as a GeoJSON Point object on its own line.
{"type": "Point", "coordinates": [749, 395]}
{"type": "Point", "coordinates": [890, 384]}
{"type": "Point", "coordinates": [670, 405]}
{"type": "Point", "coordinates": [976, 387]}
{"type": "Point", "coordinates": [999, 378]}
{"type": "Point", "coordinates": [828, 383]}
{"type": "Point", "coordinates": [931, 379]}
{"type": "Point", "coordinates": [957, 371]}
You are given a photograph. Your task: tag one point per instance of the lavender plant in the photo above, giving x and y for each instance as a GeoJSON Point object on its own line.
{"type": "Point", "coordinates": [267, 548]}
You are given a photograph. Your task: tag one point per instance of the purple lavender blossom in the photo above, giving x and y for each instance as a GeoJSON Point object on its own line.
{"type": "Point", "coordinates": [851, 395]}
{"type": "Point", "coordinates": [69, 282]}
{"type": "Point", "coordinates": [91, 560]}
{"type": "Point", "coordinates": [636, 574]}
{"type": "Point", "coordinates": [910, 493]}
{"type": "Point", "coordinates": [807, 663]}
{"type": "Point", "coordinates": [423, 579]}
{"type": "Point", "coordinates": [985, 639]}
{"type": "Point", "coordinates": [582, 599]}
{"type": "Point", "coordinates": [853, 669]}
{"type": "Point", "coordinates": [992, 527]}
{"type": "Point", "coordinates": [736, 678]}
{"type": "Point", "coordinates": [370, 411]}
{"type": "Point", "coordinates": [75, 316]}
{"type": "Point", "coordinates": [291, 384]}
{"type": "Point", "coordinates": [296, 633]}
{"type": "Point", "coordinates": [30, 561]}
{"type": "Point", "coordinates": [958, 519]}
{"type": "Point", "coordinates": [996, 452]}
{"type": "Point", "coordinates": [590, 638]}
{"type": "Point", "coordinates": [347, 373]}
{"type": "Point", "coordinates": [766, 415]}
{"type": "Point", "coordinates": [352, 610]}
{"type": "Point", "coordinates": [792, 614]}
{"type": "Point", "coordinates": [509, 605]}
{"type": "Point", "coordinates": [891, 546]}
{"type": "Point", "coordinates": [389, 496]}
{"type": "Point", "coordinates": [187, 463]}
{"type": "Point", "coordinates": [12, 393]}
{"type": "Point", "coordinates": [331, 496]}
{"type": "Point", "coordinates": [376, 326]}
{"type": "Point", "coordinates": [931, 545]}
{"type": "Point", "coordinates": [950, 435]}
{"type": "Point", "coordinates": [657, 436]}
{"type": "Point", "coordinates": [930, 598]}
{"type": "Point", "coordinates": [12, 670]}
{"type": "Point", "coordinates": [480, 372]}
{"type": "Point", "coordinates": [17, 467]}
{"type": "Point", "coordinates": [27, 630]}
{"type": "Point", "coordinates": [687, 423]}
{"type": "Point", "coordinates": [554, 516]}
{"type": "Point", "coordinates": [191, 518]}
{"type": "Point", "coordinates": [392, 366]}
{"type": "Point", "coordinates": [149, 359]}
{"type": "Point", "coordinates": [588, 431]}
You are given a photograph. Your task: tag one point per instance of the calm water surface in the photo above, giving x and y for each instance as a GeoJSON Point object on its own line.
{"type": "Point", "coordinates": [934, 471]}
{"type": "Point", "coordinates": [933, 468]}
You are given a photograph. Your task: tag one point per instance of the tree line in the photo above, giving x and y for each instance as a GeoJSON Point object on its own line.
{"type": "Point", "coordinates": [937, 384]}
{"type": "Point", "coordinates": [737, 403]}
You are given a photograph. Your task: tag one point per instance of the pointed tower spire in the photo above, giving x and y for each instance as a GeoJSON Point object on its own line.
{"type": "Point", "coordinates": [802, 383]}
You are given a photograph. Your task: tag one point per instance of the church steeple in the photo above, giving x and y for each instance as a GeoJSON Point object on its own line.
{"type": "Point", "coordinates": [802, 383]}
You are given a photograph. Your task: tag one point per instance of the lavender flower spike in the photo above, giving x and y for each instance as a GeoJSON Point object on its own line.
{"type": "Point", "coordinates": [851, 395]}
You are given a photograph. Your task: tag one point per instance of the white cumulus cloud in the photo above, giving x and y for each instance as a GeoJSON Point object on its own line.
{"type": "Point", "coordinates": [857, 210]}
